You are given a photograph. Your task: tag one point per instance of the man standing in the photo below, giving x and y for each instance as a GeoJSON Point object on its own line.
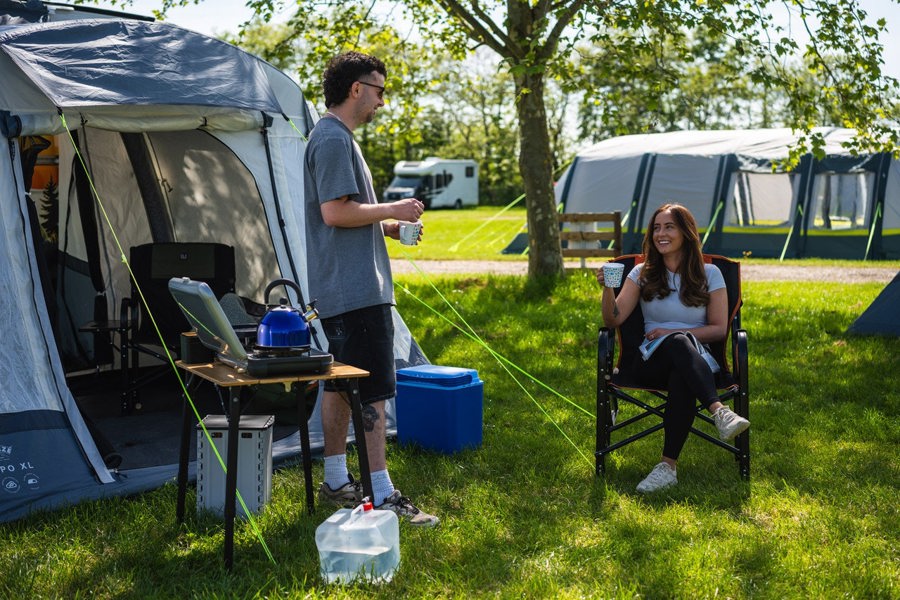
{"type": "Point", "coordinates": [350, 275]}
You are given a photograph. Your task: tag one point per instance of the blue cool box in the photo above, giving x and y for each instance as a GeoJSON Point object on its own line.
{"type": "Point", "coordinates": [439, 408]}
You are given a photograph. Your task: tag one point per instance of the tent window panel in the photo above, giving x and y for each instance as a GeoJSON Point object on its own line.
{"type": "Point", "coordinates": [687, 180]}
{"type": "Point", "coordinates": [116, 183]}
{"type": "Point", "coordinates": [841, 200]}
{"type": "Point", "coordinates": [213, 197]}
{"type": "Point", "coordinates": [761, 199]}
{"type": "Point", "coordinates": [600, 185]}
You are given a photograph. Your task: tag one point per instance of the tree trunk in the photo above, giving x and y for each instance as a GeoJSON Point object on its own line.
{"type": "Point", "coordinates": [535, 165]}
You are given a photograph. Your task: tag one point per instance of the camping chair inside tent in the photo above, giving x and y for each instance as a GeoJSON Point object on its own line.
{"type": "Point", "coordinates": [153, 265]}
{"type": "Point", "coordinates": [619, 383]}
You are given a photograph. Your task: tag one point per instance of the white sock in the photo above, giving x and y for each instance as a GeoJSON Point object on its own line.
{"type": "Point", "coordinates": [336, 471]}
{"type": "Point", "coordinates": [381, 486]}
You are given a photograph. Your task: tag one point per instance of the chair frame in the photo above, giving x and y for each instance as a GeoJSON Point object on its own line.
{"type": "Point", "coordinates": [140, 338]}
{"type": "Point", "coordinates": [732, 385]}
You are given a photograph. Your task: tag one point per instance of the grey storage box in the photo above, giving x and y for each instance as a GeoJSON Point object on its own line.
{"type": "Point", "coordinates": [254, 463]}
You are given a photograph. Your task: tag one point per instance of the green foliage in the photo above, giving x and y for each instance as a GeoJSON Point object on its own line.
{"type": "Point", "coordinates": [469, 106]}
{"type": "Point", "coordinates": [707, 65]}
{"type": "Point", "coordinates": [696, 80]}
{"type": "Point", "coordinates": [49, 212]}
{"type": "Point", "coordinates": [431, 110]}
{"type": "Point", "coordinates": [523, 515]}
{"type": "Point", "coordinates": [639, 52]}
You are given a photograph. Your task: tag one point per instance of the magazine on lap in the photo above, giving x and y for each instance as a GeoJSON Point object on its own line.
{"type": "Point", "coordinates": [648, 347]}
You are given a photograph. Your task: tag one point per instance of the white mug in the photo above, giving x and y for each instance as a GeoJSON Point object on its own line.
{"type": "Point", "coordinates": [409, 233]}
{"type": "Point", "coordinates": [612, 274]}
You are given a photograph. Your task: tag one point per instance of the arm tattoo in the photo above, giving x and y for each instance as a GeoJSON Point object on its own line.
{"type": "Point", "coordinates": [370, 417]}
{"type": "Point", "coordinates": [615, 311]}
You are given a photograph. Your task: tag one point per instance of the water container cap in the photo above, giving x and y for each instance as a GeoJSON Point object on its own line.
{"type": "Point", "coordinates": [367, 506]}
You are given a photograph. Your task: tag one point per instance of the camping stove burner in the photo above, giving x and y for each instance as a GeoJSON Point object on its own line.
{"type": "Point", "coordinates": [276, 352]}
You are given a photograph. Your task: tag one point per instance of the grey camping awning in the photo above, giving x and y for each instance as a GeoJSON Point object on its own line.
{"type": "Point", "coordinates": [93, 63]}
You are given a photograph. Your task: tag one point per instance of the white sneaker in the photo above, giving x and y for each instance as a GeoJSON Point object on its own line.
{"type": "Point", "coordinates": [729, 423]}
{"type": "Point", "coordinates": [662, 476]}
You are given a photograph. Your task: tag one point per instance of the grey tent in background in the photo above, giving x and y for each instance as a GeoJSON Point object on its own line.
{"type": "Point", "coordinates": [883, 315]}
{"type": "Point", "coordinates": [838, 206]}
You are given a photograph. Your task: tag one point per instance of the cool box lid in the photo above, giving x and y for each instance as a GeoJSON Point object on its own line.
{"type": "Point", "coordinates": [438, 375]}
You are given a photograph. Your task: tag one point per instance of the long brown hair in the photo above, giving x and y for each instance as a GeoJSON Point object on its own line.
{"type": "Point", "coordinates": [654, 281]}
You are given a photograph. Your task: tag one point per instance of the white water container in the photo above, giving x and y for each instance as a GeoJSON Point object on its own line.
{"type": "Point", "coordinates": [359, 544]}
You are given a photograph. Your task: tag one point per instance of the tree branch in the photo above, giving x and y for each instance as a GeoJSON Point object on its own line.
{"type": "Point", "coordinates": [564, 20]}
{"type": "Point", "coordinates": [482, 27]}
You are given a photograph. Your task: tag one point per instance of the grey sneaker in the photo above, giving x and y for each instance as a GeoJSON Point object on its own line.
{"type": "Point", "coordinates": [662, 476]}
{"type": "Point", "coordinates": [404, 509]}
{"type": "Point", "coordinates": [729, 423]}
{"type": "Point", "coordinates": [348, 495]}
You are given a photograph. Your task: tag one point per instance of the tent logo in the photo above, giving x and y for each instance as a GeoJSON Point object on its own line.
{"type": "Point", "coordinates": [32, 481]}
{"type": "Point", "coordinates": [10, 485]}
{"type": "Point", "coordinates": [5, 452]}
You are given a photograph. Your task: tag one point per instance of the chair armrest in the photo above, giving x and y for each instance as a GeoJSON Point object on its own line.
{"type": "Point", "coordinates": [128, 313]}
{"type": "Point", "coordinates": [606, 350]}
{"type": "Point", "coordinates": [607, 404]}
{"type": "Point", "coordinates": [740, 356]}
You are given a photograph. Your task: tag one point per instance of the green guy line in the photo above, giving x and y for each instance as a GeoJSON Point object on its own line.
{"type": "Point", "coordinates": [302, 137]}
{"type": "Point", "coordinates": [872, 230]}
{"type": "Point", "coordinates": [455, 247]}
{"type": "Point", "coordinates": [500, 359]}
{"type": "Point", "coordinates": [503, 361]}
{"type": "Point", "coordinates": [787, 242]}
{"type": "Point", "coordinates": [190, 400]}
{"type": "Point", "coordinates": [712, 222]}
{"type": "Point", "coordinates": [473, 336]}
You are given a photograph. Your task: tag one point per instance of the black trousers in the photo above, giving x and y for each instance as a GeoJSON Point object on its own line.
{"type": "Point", "coordinates": [678, 368]}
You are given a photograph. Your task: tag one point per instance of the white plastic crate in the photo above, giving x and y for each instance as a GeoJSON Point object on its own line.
{"type": "Point", "coordinates": [254, 463]}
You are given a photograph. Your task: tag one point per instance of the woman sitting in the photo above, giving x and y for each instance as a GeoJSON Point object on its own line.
{"type": "Point", "coordinates": [685, 307]}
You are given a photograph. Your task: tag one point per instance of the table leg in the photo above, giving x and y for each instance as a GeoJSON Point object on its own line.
{"type": "Point", "coordinates": [234, 417]}
{"type": "Point", "coordinates": [305, 449]}
{"type": "Point", "coordinates": [359, 429]}
{"type": "Point", "coordinates": [184, 449]}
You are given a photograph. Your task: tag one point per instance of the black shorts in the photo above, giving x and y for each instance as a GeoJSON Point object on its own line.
{"type": "Point", "coordinates": [364, 339]}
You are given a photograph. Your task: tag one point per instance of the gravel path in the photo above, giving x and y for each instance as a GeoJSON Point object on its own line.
{"type": "Point", "coordinates": [749, 272]}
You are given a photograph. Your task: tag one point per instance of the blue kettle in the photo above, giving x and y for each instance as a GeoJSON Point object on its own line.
{"type": "Point", "coordinates": [284, 327]}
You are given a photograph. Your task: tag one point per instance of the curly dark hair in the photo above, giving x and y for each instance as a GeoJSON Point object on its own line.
{"type": "Point", "coordinates": [345, 69]}
{"type": "Point", "coordinates": [654, 281]}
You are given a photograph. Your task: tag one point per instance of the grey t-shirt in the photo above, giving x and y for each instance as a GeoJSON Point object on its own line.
{"type": "Point", "coordinates": [348, 268]}
{"type": "Point", "coordinates": [669, 312]}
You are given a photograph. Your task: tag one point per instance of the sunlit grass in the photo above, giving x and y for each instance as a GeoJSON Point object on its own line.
{"type": "Point", "coordinates": [467, 234]}
{"type": "Point", "coordinates": [523, 515]}
{"type": "Point", "coordinates": [482, 233]}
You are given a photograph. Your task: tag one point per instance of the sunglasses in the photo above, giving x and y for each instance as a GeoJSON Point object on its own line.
{"type": "Point", "coordinates": [377, 87]}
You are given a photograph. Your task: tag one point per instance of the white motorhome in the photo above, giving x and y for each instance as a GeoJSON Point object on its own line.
{"type": "Point", "coordinates": [438, 182]}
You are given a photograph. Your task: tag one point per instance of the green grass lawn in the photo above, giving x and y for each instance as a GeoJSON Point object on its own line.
{"type": "Point", "coordinates": [523, 515]}
{"type": "Point", "coordinates": [482, 233]}
{"type": "Point", "coordinates": [468, 234]}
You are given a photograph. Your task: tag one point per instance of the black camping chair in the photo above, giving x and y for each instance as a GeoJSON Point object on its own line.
{"type": "Point", "coordinates": [153, 265]}
{"type": "Point", "coordinates": [618, 383]}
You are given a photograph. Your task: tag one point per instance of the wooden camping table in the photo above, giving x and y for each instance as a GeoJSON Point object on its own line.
{"type": "Point", "coordinates": [224, 376]}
